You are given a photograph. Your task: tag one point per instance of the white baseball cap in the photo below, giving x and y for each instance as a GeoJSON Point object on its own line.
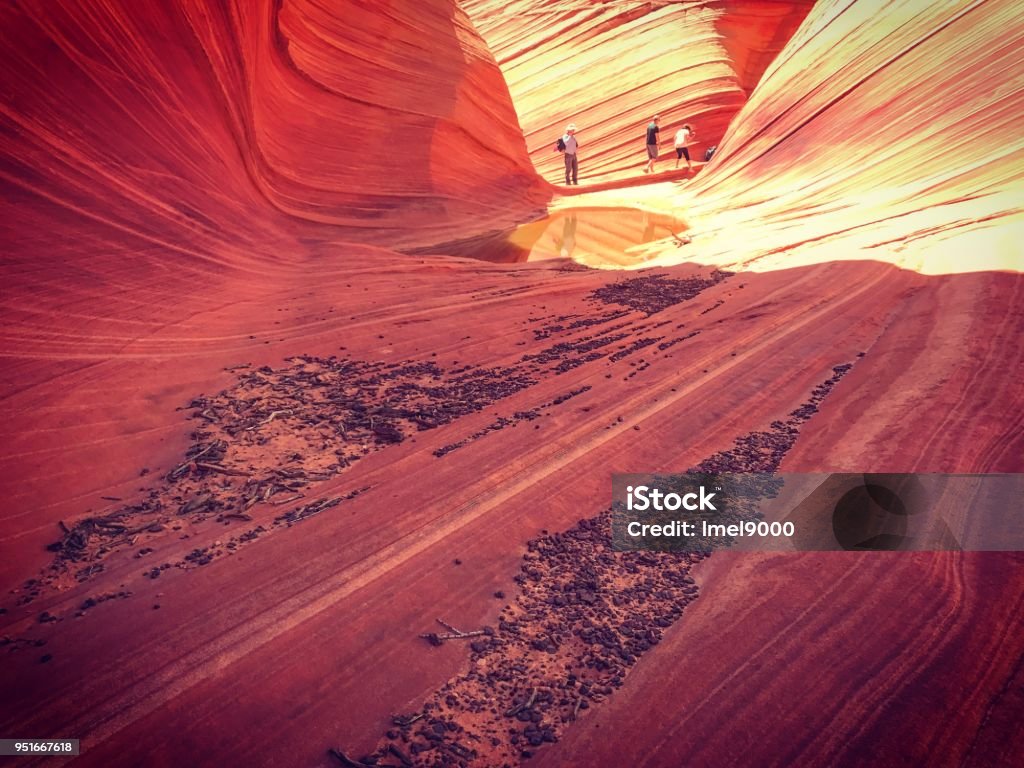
{"type": "Point", "coordinates": [571, 127]}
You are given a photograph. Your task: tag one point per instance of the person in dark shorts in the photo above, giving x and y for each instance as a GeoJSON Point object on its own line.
{"type": "Point", "coordinates": [652, 144]}
{"type": "Point", "coordinates": [684, 136]}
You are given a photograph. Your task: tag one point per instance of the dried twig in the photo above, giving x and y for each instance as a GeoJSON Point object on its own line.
{"type": "Point", "coordinates": [464, 752]}
{"type": "Point", "coordinates": [520, 707]}
{"type": "Point", "coordinates": [316, 508]}
{"type": "Point", "coordinates": [436, 639]}
{"type": "Point", "coordinates": [576, 709]}
{"type": "Point", "coordinates": [455, 634]}
{"type": "Point", "coordinates": [405, 720]}
{"type": "Point", "coordinates": [273, 415]}
{"type": "Point", "coordinates": [448, 626]}
{"type": "Point", "coordinates": [184, 465]}
{"type": "Point", "coordinates": [533, 698]}
{"type": "Point", "coordinates": [111, 525]}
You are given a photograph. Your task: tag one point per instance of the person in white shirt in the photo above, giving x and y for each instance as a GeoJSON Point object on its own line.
{"type": "Point", "coordinates": [684, 137]}
{"type": "Point", "coordinates": [568, 147]}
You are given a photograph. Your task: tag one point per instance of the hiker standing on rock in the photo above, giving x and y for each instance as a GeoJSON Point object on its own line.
{"type": "Point", "coordinates": [684, 137]}
{"type": "Point", "coordinates": [652, 144]}
{"type": "Point", "coordinates": [568, 145]}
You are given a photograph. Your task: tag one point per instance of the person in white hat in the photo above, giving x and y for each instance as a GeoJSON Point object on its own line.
{"type": "Point", "coordinates": [568, 145]}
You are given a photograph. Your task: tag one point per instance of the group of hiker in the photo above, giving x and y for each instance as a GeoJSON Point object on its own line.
{"type": "Point", "coordinates": [685, 136]}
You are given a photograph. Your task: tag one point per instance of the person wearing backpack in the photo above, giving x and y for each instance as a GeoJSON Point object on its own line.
{"type": "Point", "coordinates": [568, 145]}
{"type": "Point", "coordinates": [684, 136]}
{"type": "Point", "coordinates": [652, 144]}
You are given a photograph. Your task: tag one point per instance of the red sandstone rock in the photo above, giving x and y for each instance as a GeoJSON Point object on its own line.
{"type": "Point", "coordinates": [180, 197]}
{"type": "Point", "coordinates": [235, 133]}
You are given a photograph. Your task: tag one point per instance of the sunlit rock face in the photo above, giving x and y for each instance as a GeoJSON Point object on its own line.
{"type": "Point", "coordinates": [883, 131]}
{"type": "Point", "coordinates": [213, 126]}
{"type": "Point", "coordinates": [609, 67]}
{"type": "Point", "coordinates": [754, 32]}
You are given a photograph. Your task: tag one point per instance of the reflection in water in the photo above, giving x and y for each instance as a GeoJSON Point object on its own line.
{"type": "Point", "coordinates": [568, 243]}
{"type": "Point", "coordinates": [599, 237]}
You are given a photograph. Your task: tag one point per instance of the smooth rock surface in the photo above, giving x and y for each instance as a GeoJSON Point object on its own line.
{"type": "Point", "coordinates": [180, 200]}
{"type": "Point", "coordinates": [609, 67]}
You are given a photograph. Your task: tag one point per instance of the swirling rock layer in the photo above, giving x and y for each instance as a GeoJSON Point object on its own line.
{"type": "Point", "coordinates": [609, 67]}
{"type": "Point", "coordinates": [232, 129]}
{"type": "Point", "coordinates": [883, 150]}
{"type": "Point", "coordinates": [192, 198]}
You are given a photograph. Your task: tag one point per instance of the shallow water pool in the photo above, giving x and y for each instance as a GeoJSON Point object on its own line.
{"type": "Point", "coordinates": [596, 237]}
